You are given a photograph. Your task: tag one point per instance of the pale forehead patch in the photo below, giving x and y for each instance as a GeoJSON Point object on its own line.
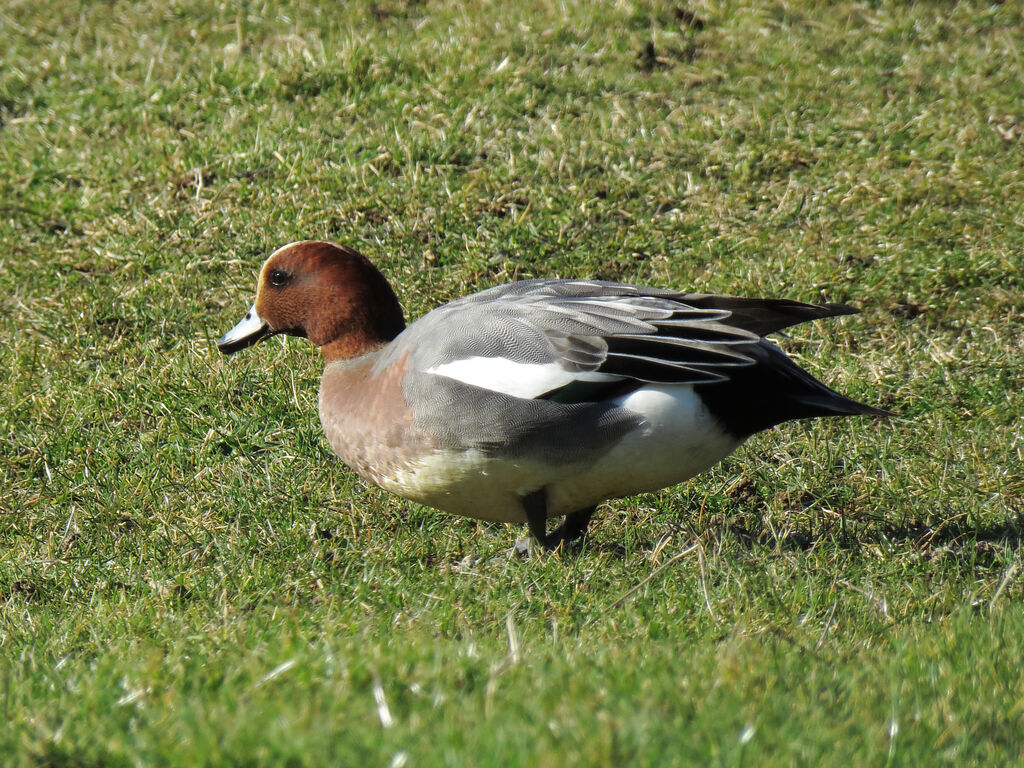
{"type": "Point", "coordinates": [287, 246]}
{"type": "Point", "coordinates": [266, 264]}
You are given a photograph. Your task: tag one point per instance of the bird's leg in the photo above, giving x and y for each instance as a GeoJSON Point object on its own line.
{"type": "Point", "coordinates": [536, 507]}
{"type": "Point", "coordinates": [574, 525]}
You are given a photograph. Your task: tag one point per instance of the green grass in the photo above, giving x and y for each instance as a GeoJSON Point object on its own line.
{"type": "Point", "coordinates": [187, 577]}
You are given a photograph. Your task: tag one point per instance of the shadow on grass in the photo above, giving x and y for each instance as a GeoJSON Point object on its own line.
{"type": "Point", "coordinates": [956, 535]}
{"type": "Point", "coordinates": [750, 531]}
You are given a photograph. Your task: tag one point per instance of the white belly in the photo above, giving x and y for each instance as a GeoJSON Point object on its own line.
{"type": "Point", "coordinates": [677, 440]}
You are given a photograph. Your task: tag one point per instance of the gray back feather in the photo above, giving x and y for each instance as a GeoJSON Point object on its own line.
{"type": "Point", "coordinates": [646, 334]}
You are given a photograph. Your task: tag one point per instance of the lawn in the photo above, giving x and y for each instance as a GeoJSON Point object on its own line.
{"type": "Point", "coordinates": [187, 575]}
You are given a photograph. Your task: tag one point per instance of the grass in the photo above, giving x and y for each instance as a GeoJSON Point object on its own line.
{"type": "Point", "coordinates": [188, 578]}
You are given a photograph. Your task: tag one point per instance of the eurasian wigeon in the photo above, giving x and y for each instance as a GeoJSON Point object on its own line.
{"type": "Point", "coordinates": [536, 399]}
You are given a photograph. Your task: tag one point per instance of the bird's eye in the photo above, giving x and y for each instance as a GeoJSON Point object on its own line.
{"type": "Point", "coordinates": [280, 277]}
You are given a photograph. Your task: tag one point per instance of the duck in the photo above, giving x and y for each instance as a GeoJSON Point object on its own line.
{"type": "Point", "coordinates": [535, 400]}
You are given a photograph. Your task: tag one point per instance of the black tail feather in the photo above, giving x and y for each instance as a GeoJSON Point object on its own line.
{"type": "Point", "coordinates": [773, 391]}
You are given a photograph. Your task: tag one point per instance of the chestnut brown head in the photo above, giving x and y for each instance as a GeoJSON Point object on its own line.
{"type": "Point", "coordinates": [322, 291]}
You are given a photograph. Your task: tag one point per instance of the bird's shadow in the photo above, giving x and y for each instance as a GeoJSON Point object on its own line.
{"type": "Point", "coordinates": [955, 536]}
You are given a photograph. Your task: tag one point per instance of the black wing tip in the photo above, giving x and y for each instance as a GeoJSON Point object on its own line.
{"type": "Point", "coordinates": [763, 315]}
{"type": "Point", "coordinates": [803, 311]}
{"type": "Point", "coordinates": [838, 309]}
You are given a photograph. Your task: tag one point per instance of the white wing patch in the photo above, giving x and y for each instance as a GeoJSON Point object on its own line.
{"type": "Point", "coordinates": [524, 380]}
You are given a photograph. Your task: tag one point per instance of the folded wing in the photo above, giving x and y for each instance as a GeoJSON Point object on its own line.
{"type": "Point", "coordinates": [581, 339]}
